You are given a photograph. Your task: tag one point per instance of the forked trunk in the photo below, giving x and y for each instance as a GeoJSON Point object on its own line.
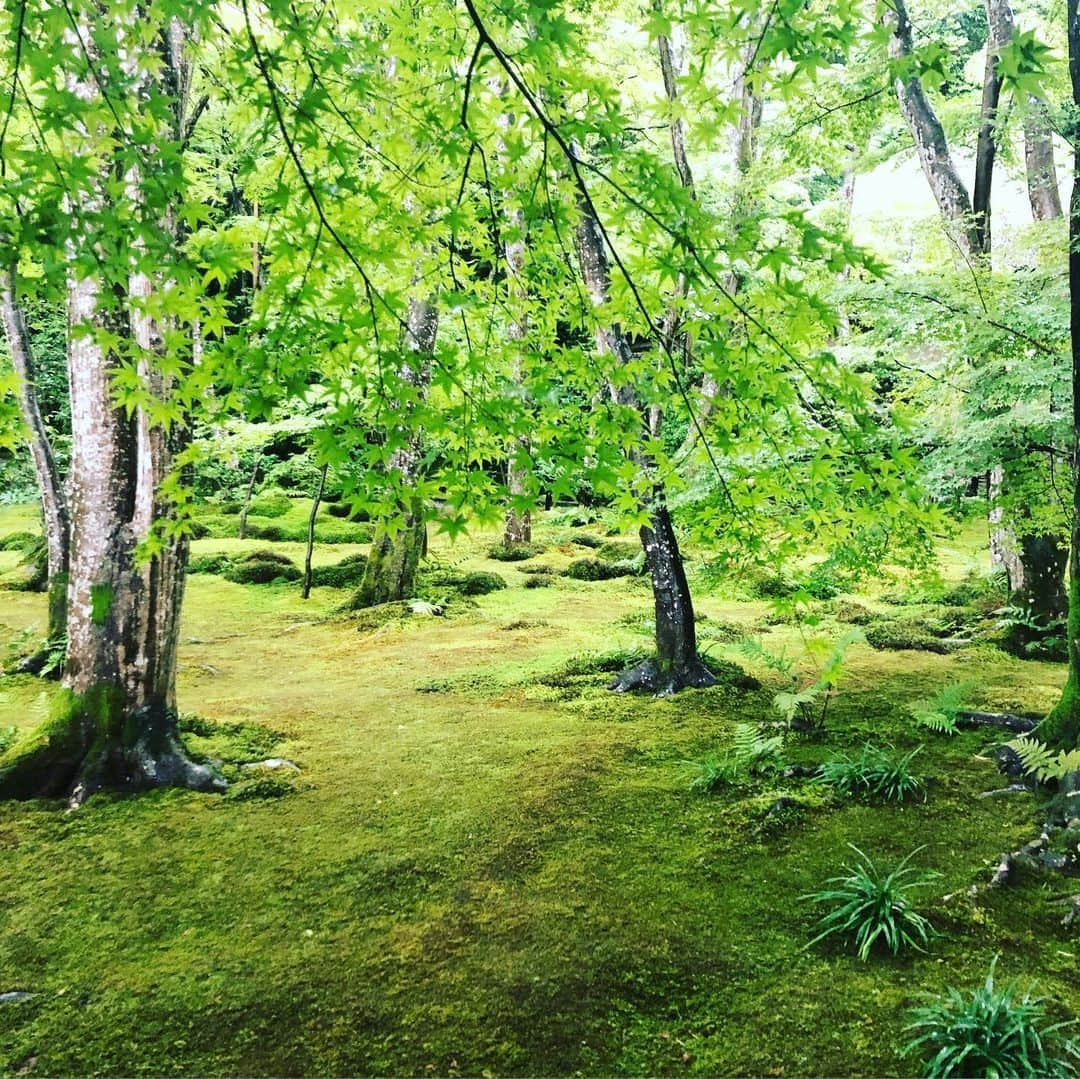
{"type": "Point", "coordinates": [115, 721]}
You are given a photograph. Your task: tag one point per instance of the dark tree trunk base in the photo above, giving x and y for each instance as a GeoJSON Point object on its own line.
{"type": "Point", "coordinates": [90, 744]}
{"type": "Point", "coordinates": [650, 677]}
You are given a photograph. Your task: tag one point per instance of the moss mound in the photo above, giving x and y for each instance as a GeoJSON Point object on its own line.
{"type": "Point", "coordinates": [270, 505]}
{"type": "Point", "coordinates": [594, 569]}
{"type": "Point", "coordinates": [255, 570]}
{"type": "Point", "coordinates": [348, 572]}
{"type": "Point", "coordinates": [517, 552]}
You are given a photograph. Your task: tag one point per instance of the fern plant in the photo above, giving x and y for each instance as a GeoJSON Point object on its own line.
{"type": "Point", "coordinates": [869, 907]}
{"type": "Point", "coordinates": [990, 1031]}
{"type": "Point", "coordinates": [939, 712]}
{"type": "Point", "coordinates": [874, 773]}
{"type": "Point", "coordinates": [1042, 762]}
{"type": "Point", "coordinates": [752, 754]}
{"type": "Point", "coordinates": [810, 705]}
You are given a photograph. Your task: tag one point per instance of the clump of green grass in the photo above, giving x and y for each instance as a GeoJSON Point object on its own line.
{"type": "Point", "coordinates": [990, 1031]}
{"type": "Point", "coordinates": [869, 907]}
{"type": "Point", "coordinates": [874, 773]}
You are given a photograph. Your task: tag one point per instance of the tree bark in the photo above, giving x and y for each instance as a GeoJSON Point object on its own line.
{"type": "Point", "coordinates": [677, 664]}
{"type": "Point", "coordinates": [248, 493]}
{"type": "Point", "coordinates": [930, 143]}
{"type": "Point", "coordinates": [1061, 728]}
{"type": "Point", "coordinates": [1041, 171]}
{"type": "Point", "coordinates": [518, 526]}
{"type": "Point", "coordinates": [115, 721]}
{"type": "Point", "coordinates": [1002, 29]}
{"type": "Point", "coordinates": [53, 499]}
{"type": "Point", "coordinates": [390, 573]}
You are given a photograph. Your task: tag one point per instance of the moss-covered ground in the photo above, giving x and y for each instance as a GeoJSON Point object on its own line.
{"type": "Point", "coordinates": [482, 869]}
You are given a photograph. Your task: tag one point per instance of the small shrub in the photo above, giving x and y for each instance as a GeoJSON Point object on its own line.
{"type": "Point", "coordinates": [868, 907]}
{"type": "Point", "coordinates": [266, 555]}
{"type": "Point", "coordinates": [873, 773]}
{"type": "Point", "coordinates": [772, 586]}
{"type": "Point", "coordinates": [19, 541]}
{"type": "Point", "coordinates": [270, 505]}
{"type": "Point", "coordinates": [990, 1031]}
{"type": "Point", "coordinates": [540, 580]}
{"type": "Point", "coordinates": [853, 614]}
{"type": "Point", "coordinates": [587, 539]}
{"type": "Point", "coordinates": [349, 571]}
{"type": "Point", "coordinates": [262, 573]}
{"type": "Point", "coordinates": [217, 564]}
{"type": "Point", "coordinates": [479, 584]}
{"type": "Point", "coordinates": [618, 550]}
{"type": "Point", "coordinates": [516, 552]}
{"type": "Point", "coordinates": [593, 569]}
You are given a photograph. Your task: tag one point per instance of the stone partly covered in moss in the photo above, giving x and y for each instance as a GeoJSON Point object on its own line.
{"type": "Point", "coordinates": [594, 569]}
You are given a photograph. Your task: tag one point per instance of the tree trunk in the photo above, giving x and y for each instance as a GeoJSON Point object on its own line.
{"type": "Point", "coordinates": [1061, 728]}
{"type": "Point", "coordinates": [930, 143]}
{"type": "Point", "coordinates": [306, 591]}
{"type": "Point", "coordinates": [53, 499]}
{"type": "Point", "coordinates": [676, 664]}
{"type": "Point", "coordinates": [248, 493]}
{"type": "Point", "coordinates": [1002, 29]}
{"type": "Point", "coordinates": [115, 722]}
{"type": "Point", "coordinates": [1042, 181]}
{"type": "Point", "coordinates": [518, 527]}
{"type": "Point", "coordinates": [390, 573]}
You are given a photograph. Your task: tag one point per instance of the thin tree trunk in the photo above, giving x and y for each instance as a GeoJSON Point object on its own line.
{"type": "Point", "coordinates": [518, 525]}
{"type": "Point", "coordinates": [930, 143]}
{"type": "Point", "coordinates": [1062, 726]}
{"type": "Point", "coordinates": [677, 664]}
{"type": "Point", "coordinates": [53, 499]}
{"type": "Point", "coordinates": [999, 18]}
{"type": "Point", "coordinates": [242, 531]}
{"type": "Point", "coordinates": [1040, 168]}
{"type": "Point", "coordinates": [306, 592]}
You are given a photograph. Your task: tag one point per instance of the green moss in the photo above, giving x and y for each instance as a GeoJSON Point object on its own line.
{"type": "Point", "coordinates": [344, 574]}
{"type": "Point", "coordinates": [594, 569]}
{"type": "Point", "coordinates": [507, 877]}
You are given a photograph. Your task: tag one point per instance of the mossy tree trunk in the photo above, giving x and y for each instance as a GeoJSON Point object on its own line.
{"type": "Point", "coordinates": [115, 722]}
{"type": "Point", "coordinates": [53, 499]}
{"type": "Point", "coordinates": [1061, 728]}
{"type": "Point", "coordinates": [390, 573]}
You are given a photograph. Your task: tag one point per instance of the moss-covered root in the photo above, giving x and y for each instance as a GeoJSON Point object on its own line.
{"type": "Point", "coordinates": [653, 676]}
{"type": "Point", "coordinates": [95, 742]}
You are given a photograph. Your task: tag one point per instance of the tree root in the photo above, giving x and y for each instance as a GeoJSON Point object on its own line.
{"type": "Point", "coordinates": [85, 747]}
{"type": "Point", "coordinates": [650, 677]}
{"type": "Point", "coordinates": [1005, 720]}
